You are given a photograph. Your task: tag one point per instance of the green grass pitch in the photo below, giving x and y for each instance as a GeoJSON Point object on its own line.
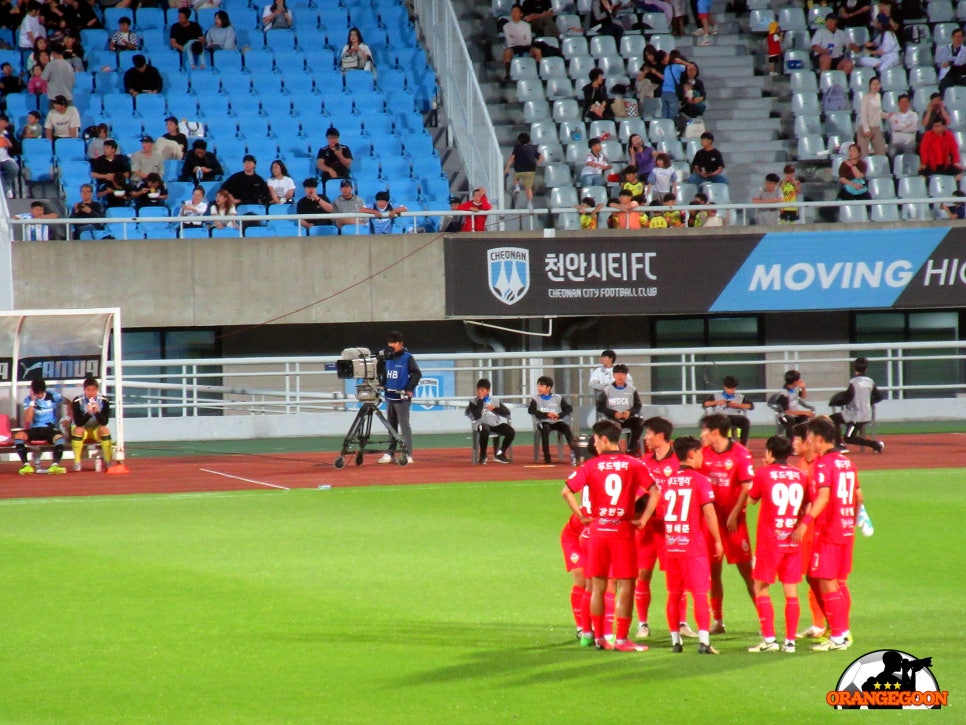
{"type": "Point", "coordinates": [421, 604]}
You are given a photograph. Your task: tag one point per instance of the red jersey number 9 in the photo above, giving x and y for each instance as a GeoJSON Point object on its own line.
{"type": "Point", "coordinates": [613, 485]}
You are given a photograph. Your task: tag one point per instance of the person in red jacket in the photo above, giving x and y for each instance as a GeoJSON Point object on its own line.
{"type": "Point", "coordinates": [939, 152]}
{"type": "Point", "coordinates": [476, 203]}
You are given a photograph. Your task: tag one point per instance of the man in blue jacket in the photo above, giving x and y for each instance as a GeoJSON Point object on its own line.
{"type": "Point", "coordinates": [401, 377]}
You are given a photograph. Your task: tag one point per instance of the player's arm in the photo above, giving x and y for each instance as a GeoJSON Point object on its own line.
{"type": "Point", "coordinates": [532, 410]}
{"type": "Point", "coordinates": [602, 406]}
{"type": "Point", "coordinates": [501, 409]}
{"type": "Point", "coordinates": [77, 413]}
{"type": "Point", "coordinates": [739, 507]}
{"type": "Point", "coordinates": [565, 407]}
{"type": "Point", "coordinates": [571, 500]}
{"type": "Point", "coordinates": [876, 396]}
{"type": "Point", "coordinates": [104, 414]}
{"type": "Point", "coordinates": [474, 409]}
{"type": "Point", "coordinates": [652, 498]}
{"type": "Point", "coordinates": [636, 404]}
{"type": "Point", "coordinates": [709, 402]}
{"type": "Point", "coordinates": [814, 509]}
{"type": "Point", "coordinates": [28, 413]}
{"type": "Point", "coordinates": [711, 521]}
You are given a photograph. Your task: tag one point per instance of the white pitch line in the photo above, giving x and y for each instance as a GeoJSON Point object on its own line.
{"type": "Point", "coordinates": [247, 480]}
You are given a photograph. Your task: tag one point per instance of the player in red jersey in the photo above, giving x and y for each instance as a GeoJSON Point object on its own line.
{"type": "Point", "coordinates": [612, 480]}
{"type": "Point", "coordinates": [782, 490]}
{"type": "Point", "coordinates": [837, 499]}
{"type": "Point", "coordinates": [689, 523]}
{"type": "Point", "coordinates": [806, 455]}
{"type": "Point", "coordinates": [573, 541]}
{"type": "Point", "coordinates": [730, 467]}
{"type": "Point", "coordinates": [661, 462]}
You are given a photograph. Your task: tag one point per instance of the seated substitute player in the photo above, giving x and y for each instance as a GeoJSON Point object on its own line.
{"type": "Point", "coordinates": [90, 413]}
{"type": "Point", "coordinates": [41, 414]}
{"type": "Point", "coordinates": [612, 480]}
{"type": "Point", "coordinates": [857, 404]}
{"type": "Point", "coordinates": [691, 539]}
{"type": "Point", "coordinates": [731, 403]}
{"type": "Point", "coordinates": [730, 467]}
{"type": "Point", "coordinates": [791, 401]}
{"type": "Point", "coordinates": [620, 403]}
{"type": "Point", "coordinates": [549, 410]}
{"type": "Point", "coordinates": [489, 415]}
{"type": "Point", "coordinates": [833, 509]}
{"type": "Point", "coordinates": [782, 490]}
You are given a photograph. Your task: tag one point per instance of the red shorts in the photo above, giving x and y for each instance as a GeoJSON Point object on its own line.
{"type": "Point", "coordinates": [703, 16]}
{"type": "Point", "coordinates": [688, 574]}
{"type": "Point", "coordinates": [831, 561]}
{"type": "Point", "coordinates": [737, 546]}
{"type": "Point", "coordinates": [612, 553]}
{"type": "Point", "coordinates": [650, 546]}
{"type": "Point", "coordinates": [772, 563]}
{"type": "Point", "coordinates": [572, 551]}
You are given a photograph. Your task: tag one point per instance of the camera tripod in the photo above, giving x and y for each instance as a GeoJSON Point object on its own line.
{"type": "Point", "coordinates": [360, 432]}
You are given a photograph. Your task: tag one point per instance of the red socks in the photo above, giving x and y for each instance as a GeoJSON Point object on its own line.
{"type": "Point", "coordinates": [792, 614]}
{"type": "Point", "coordinates": [642, 599]}
{"type": "Point", "coordinates": [766, 616]}
{"type": "Point", "coordinates": [576, 604]}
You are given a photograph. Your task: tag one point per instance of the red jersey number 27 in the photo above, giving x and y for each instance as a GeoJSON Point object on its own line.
{"type": "Point", "coordinates": [675, 512]}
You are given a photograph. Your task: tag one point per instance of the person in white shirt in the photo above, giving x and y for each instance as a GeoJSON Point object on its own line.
{"type": "Point", "coordinates": [31, 28]}
{"type": "Point", "coordinates": [903, 124]}
{"type": "Point", "coordinates": [951, 61]}
{"type": "Point", "coordinates": [603, 376]}
{"type": "Point", "coordinates": [197, 207]}
{"type": "Point", "coordinates": [828, 47]}
{"type": "Point", "coordinates": [280, 184]}
{"type": "Point", "coordinates": [885, 52]}
{"type": "Point", "coordinates": [518, 38]}
{"type": "Point", "coordinates": [595, 165]}
{"type": "Point", "coordinates": [870, 135]}
{"type": "Point", "coordinates": [9, 168]}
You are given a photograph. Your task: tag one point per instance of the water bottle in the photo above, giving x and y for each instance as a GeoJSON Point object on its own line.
{"type": "Point", "coordinates": [98, 464]}
{"type": "Point", "coordinates": [575, 134]}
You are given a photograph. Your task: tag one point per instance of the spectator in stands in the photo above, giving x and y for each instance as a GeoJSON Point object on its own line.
{"type": "Point", "coordinates": [81, 16]}
{"type": "Point", "coordinates": [200, 164]}
{"type": "Point", "coordinates": [903, 125]}
{"type": "Point", "coordinates": [705, 19]}
{"type": "Point", "coordinates": [650, 76]}
{"type": "Point", "coordinates": [31, 28]}
{"type": "Point", "coordinates": [680, 21]}
{"type": "Point", "coordinates": [524, 160]}
{"type": "Point", "coordinates": [518, 38]}
{"type": "Point", "coordinates": [893, 13]}
{"type": "Point", "coordinates": [673, 76]}
{"type": "Point", "coordinates": [355, 54]}
{"type": "Point", "coordinates": [33, 128]}
{"type": "Point", "coordinates": [147, 161]}
{"type": "Point", "coordinates": [10, 14]}
{"type": "Point", "coordinates": [768, 194]}
{"type": "Point", "coordinates": [347, 202]}
{"type": "Point", "coordinates": [245, 186]}
{"type": "Point", "coordinates": [674, 217]}
{"type": "Point", "coordinates": [221, 35]}
{"type": "Point", "coordinates": [172, 144]}
{"type": "Point", "coordinates": [596, 104]}
{"type": "Point", "coordinates": [63, 120]}
{"type": "Point", "coordinates": [539, 13]}
{"type": "Point", "coordinates": [596, 164]}
{"type": "Point", "coordinates": [958, 210]}
{"type": "Point", "coordinates": [852, 176]}
{"type": "Point", "coordinates": [10, 82]}
{"type": "Point", "coordinates": [694, 95]}
{"type": "Point", "coordinates": [334, 160]}
{"type": "Point", "coordinates": [95, 144]}
{"type": "Point", "coordinates": [59, 74]}
{"type": "Point", "coordinates": [114, 190]}
{"type": "Point", "coordinates": [150, 191]}
{"type": "Point", "coordinates": [602, 18]}
{"type": "Point", "coordinates": [313, 203]}
{"type": "Point", "coordinates": [588, 209]}
{"type": "Point", "coordinates": [276, 16]}
{"type": "Point", "coordinates": [187, 38]}
{"type": "Point", "coordinates": [884, 52]}
{"type": "Point", "coordinates": [773, 47]}
{"type": "Point", "coordinates": [829, 45]}
{"type": "Point", "coordinates": [195, 208]}
{"type": "Point", "coordinates": [791, 187]}
{"type": "Point", "coordinates": [855, 13]}
{"type": "Point", "coordinates": [699, 217]}
{"type": "Point", "coordinates": [39, 55]}
{"type": "Point", "coordinates": [37, 86]}
{"type": "Point", "coordinates": [476, 203]}
{"type": "Point", "coordinates": [9, 147]}
{"type": "Point", "coordinates": [224, 206]}
{"type": "Point", "coordinates": [281, 188]}
{"type": "Point", "coordinates": [869, 134]}
{"type": "Point", "coordinates": [626, 213]}
{"type": "Point", "coordinates": [935, 111]}
{"type": "Point", "coordinates": [53, 19]}
{"type": "Point", "coordinates": [622, 106]}
{"type": "Point", "coordinates": [662, 179]}
{"type": "Point", "coordinates": [86, 208]}
{"type": "Point", "coordinates": [74, 53]}
{"type": "Point", "coordinates": [641, 155]}
{"type": "Point", "coordinates": [142, 77]}
{"type": "Point", "coordinates": [383, 213]}
{"type": "Point", "coordinates": [708, 163]}
{"type": "Point", "coordinates": [41, 230]}
{"type": "Point", "coordinates": [111, 164]}
{"type": "Point", "coordinates": [124, 38]}
{"type": "Point", "coordinates": [939, 152]}
{"type": "Point", "coordinates": [951, 62]}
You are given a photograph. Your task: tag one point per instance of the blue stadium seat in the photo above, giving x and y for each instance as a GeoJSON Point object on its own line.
{"type": "Point", "coordinates": [324, 230]}
{"type": "Point", "coordinates": [151, 106]}
{"type": "Point", "coordinates": [227, 61]}
{"type": "Point", "coordinates": [205, 84]}
{"type": "Point", "coordinates": [259, 61]}
{"type": "Point", "coordinates": [150, 18]}
{"type": "Point", "coordinates": [94, 39]}
{"type": "Point", "coordinates": [194, 232]}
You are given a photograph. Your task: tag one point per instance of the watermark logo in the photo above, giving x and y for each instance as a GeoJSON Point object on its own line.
{"type": "Point", "coordinates": [888, 680]}
{"type": "Point", "coordinates": [508, 273]}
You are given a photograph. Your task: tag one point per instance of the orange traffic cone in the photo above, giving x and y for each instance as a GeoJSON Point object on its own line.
{"type": "Point", "coordinates": [117, 468]}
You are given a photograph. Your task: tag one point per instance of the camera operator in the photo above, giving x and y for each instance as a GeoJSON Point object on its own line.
{"type": "Point", "coordinates": [400, 378]}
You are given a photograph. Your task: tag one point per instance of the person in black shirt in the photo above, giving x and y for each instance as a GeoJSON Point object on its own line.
{"type": "Point", "coordinates": [187, 38]}
{"type": "Point", "coordinates": [312, 203]}
{"type": "Point", "coordinates": [86, 208]}
{"type": "Point", "coordinates": [247, 187]}
{"type": "Point", "coordinates": [596, 103]}
{"type": "Point", "coordinates": [334, 159]}
{"type": "Point", "coordinates": [142, 78]}
{"type": "Point", "coordinates": [539, 13]}
{"type": "Point", "coordinates": [105, 168]}
{"type": "Point", "coordinates": [708, 164]}
{"type": "Point", "coordinates": [200, 165]}
{"type": "Point", "coordinates": [523, 161]}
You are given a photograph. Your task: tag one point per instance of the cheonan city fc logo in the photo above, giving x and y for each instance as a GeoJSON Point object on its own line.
{"type": "Point", "coordinates": [508, 273]}
{"type": "Point", "coordinates": [888, 680]}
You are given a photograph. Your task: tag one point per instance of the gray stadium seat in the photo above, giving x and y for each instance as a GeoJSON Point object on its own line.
{"type": "Point", "coordinates": [566, 110]}
{"type": "Point", "coordinates": [792, 18]}
{"type": "Point", "coordinates": [803, 81]}
{"type": "Point", "coordinates": [561, 87]}
{"type": "Point", "coordinates": [557, 174]}
{"type": "Point", "coordinates": [530, 89]}
{"type": "Point", "coordinates": [941, 185]}
{"type": "Point", "coordinates": [882, 188]}
{"type": "Point", "coordinates": [878, 167]}
{"type": "Point", "coordinates": [884, 213]}
{"type": "Point", "coordinates": [905, 165]}
{"type": "Point", "coordinates": [851, 213]}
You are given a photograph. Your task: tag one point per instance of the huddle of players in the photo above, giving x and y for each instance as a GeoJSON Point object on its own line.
{"type": "Point", "coordinates": [683, 504]}
{"type": "Point", "coordinates": [89, 414]}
